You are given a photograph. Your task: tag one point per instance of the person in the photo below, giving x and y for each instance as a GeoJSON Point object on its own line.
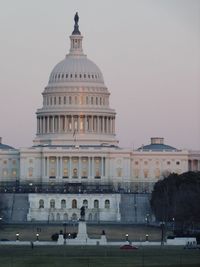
{"type": "Point", "coordinates": [32, 245]}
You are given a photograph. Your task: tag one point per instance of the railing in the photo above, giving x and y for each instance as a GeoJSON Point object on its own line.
{"type": "Point", "coordinates": [88, 188]}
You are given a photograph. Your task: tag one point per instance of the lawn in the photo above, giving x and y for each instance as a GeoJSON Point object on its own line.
{"type": "Point", "coordinates": [113, 231]}
{"type": "Point", "coordinates": [80, 256]}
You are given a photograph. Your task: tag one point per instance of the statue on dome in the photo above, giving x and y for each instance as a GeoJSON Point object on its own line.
{"type": "Point", "coordinates": [76, 18]}
{"type": "Point", "coordinates": [76, 27]}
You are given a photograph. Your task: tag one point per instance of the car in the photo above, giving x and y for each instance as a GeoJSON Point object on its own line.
{"type": "Point", "coordinates": [128, 247]}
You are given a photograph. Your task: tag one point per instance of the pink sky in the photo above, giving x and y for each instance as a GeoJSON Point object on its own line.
{"type": "Point", "coordinates": [147, 50]}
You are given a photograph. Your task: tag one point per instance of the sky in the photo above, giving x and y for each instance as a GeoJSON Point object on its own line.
{"type": "Point", "coordinates": [147, 50]}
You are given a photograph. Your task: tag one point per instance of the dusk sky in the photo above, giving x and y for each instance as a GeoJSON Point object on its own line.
{"type": "Point", "coordinates": [147, 50]}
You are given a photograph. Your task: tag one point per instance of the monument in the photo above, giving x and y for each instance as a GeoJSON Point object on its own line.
{"type": "Point", "coordinates": [82, 235]}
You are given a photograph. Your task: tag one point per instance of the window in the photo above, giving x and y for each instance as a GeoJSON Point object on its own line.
{"type": "Point", "coordinates": [54, 100]}
{"type": "Point", "coordinates": [41, 204]}
{"type": "Point", "coordinates": [96, 204]}
{"type": "Point", "coordinates": [76, 100]}
{"type": "Point", "coordinates": [71, 75]}
{"type": "Point", "coordinates": [58, 76]}
{"type": "Point", "coordinates": [64, 100]}
{"type": "Point", "coordinates": [52, 204]}
{"type": "Point", "coordinates": [107, 204]}
{"type": "Point", "coordinates": [63, 204]}
{"type": "Point", "coordinates": [92, 100]}
{"type": "Point", "coordinates": [59, 100]}
{"type": "Point", "coordinates": [80, 76]}
{"type": "Point", "coordinates": [65, 217]}
{"type": "Point", "coordinates": [96, 100]}
{"type": "Point", "coordinates": [74, 217]}
{"type": "Point", "coordinates": [178, 162]}
{"type": "Point", "coordinates": [58, 217]}
{"type": "Point", "coordinates": [85, 203]}
{"type": "Point", "coordinates": [70, 99]}
{"type": "Point", "coordinates": [30, 172]}
{"type": "Point", "coordinates": [62, 76]}
{"type": "Point", "coordinates": [75, 173]}
{"type": "Point", "coordinates": [66, 75]}
{"type": "Point", "coordinates": [87, 100]}
{"type": "Point", "coordinates": [14, 173]}
{"type": "Point", "coordinates": [84, 75]}
{"type": "Point", "coordinates": [74, 204]}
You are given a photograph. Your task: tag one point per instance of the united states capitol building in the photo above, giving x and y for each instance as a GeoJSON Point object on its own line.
{"type": "Point", "coordinates": [76, 159]}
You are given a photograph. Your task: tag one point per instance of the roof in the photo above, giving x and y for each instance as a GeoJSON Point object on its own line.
{"type": "Point", "coordinates": [6, 147]}
{"type": "Point", "coordinates": [157, 147]}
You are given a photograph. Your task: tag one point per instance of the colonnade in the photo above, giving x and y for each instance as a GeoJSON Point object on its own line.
{"type": "Point", "coordinates": [59, 167]}
{"type": "Point", "coordinates": [75, 123]}
{"type": "Point", "coordinates": [194, 165]}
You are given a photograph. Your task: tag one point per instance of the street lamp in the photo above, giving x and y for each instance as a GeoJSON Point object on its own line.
{"type": "Point", "coordinates": [126, 237]}
{"type": "Point", "coordinates": [17, 236]}
{"type": "Point", "coordinates": [147, 237]}
{"type": "Point", "coordinates": [37, 237]}
{"type": "Point", "coordinates": [65, 225]}
{"type": "Point", "coordinates": [162, 225]}
{"type": "Point", "coordinates": [173, 219]}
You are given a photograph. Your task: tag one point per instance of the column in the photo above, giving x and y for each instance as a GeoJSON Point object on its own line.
{"type": "Point", "coordinates": [92, 123]}
{"type": "Point", "coordinates": [72, 124]}
{"type": "Point", "coordinates": [37, 125]}
{"type": "Point", "coordinates": [53, 124]}
{"type": "Point", "coordinates": [102, 124]}
{"type": "Point", "coordinates": [48, 124]}
{"type": "Point", "coordinates": [43, 120]}
{"type": "Point", "coordinates": [70, 167]}
{"type": "Point", "coordinates": [59, 128]}
{"type": "Point", "coordinates": [98, 129]}
{"type": "Point", "coordinates": [102, 167]}
{"type": "Point", "coordinates": [48, 167]}
{"type": "Point", "coordinates": [57, 168]}
{"type": "Point", "coordinates": [92, 167]}
{"type": "Point", "coordinates": [108, 128]}
{"type": "Point", "coordinates": [79, 167]}
{"type": "Point", "coordinates": [113, 125]}
{"type": "Point", "coordinates": [61, 167]}
{"type": "Point", "coordinates": [89, 174]}
{"type": "Point", "coordinates": [40, 125]}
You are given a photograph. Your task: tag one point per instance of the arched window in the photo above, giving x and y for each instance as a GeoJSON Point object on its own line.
{"type": "Point", "coordinates": [41, 204]}
{"type": "Point", "coordinates": [51, 217]}
{"type": "Point", "coordinates": [85, 203]}
{"type": "Point", "coordinates": [52, 204]}
{"type": "Point", "coordinates": [63, 204]}
{"type": "Point", "coordinates": [58, 217]}
{"type": "Point", "coordinates": [74, 204]}
{"type": "Point", "coordinates": [74, 217]}
{"type": "Point", "coordinates": [65, 217]}
{"type": "Point", "coordinates": [90, 217]}
{"type": "Point", "coordinates": [107, 204]}
{"type": "Point", "coordinates": [96, 204]}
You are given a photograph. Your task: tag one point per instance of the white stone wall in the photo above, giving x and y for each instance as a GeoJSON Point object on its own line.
{"type": "Point", "coordinates": [66, 207]}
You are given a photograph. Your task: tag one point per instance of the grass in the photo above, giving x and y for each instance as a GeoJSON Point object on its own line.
{"type": "Point", "coordinates": [80, 256]}
{"type": "Point", "coordinates": [113, 232]}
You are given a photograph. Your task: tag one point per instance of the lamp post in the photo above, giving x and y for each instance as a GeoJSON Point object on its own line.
{"type": "Point", "coordinates": [127, 237]}
{"type": "Point", "coordinates": [147, 237]}
{"type": "Point", "coordinates": [173, 219]}
{"type": "Point", "coordinates": [37, 237]}
{"type": "Point", "coordinates": [64, 225]}
{"type": "Point", "coordinates": [17, 236]}
{"type": "Point", "coordinates": [162, 225]}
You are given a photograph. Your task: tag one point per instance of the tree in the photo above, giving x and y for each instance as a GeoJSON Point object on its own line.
{"type": "Point", "coordinates": [177, 196]}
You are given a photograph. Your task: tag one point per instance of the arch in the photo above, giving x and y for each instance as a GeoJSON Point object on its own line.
{"type": "Point", "coordinates": [107, 204]}
{"type": "Point", "coordinates": [96, 204]}
{"type": "Point", "coordinates": [85, 203]}
{"type": "Point", "coordinates": [52, 204]}
{"type": "Point", "coordinates": [51, 217]}
{"type": "Point", "coordinates": [74, 204]}
{"type": "Point", "coordinates": [58, 217]}
{"type": "Point", "coordinates": [74, 217]}
{"type": "Point", "coordinates": [65, 217]}
{"type": "Point", "coordinates": [41, 204]}
{"type": "Point", "coordinates": [63, 204]}
{"type": "Point", "coordinates": [90, 217]}
{"type": "Point", "coordinates": [96, 216]}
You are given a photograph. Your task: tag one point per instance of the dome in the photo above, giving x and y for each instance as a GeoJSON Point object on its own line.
{"type": "Point", "coordinates": [157, 144]}
{"type": "Point", "coordinates": [76, 68]}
